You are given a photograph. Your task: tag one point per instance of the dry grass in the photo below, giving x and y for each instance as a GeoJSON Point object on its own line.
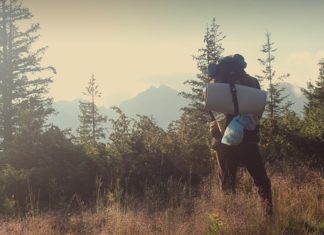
{"type": "Point", "coordinates": [298, 206]}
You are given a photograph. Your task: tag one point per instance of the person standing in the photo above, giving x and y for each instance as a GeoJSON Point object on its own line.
{"type": "Point", "coordinates": [231, 69]}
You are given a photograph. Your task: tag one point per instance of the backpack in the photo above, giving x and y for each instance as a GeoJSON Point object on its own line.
{"type": "Point", "coordinates": [228, 69]}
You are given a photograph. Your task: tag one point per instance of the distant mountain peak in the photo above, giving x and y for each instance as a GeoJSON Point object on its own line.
{"type": "Point", "coordinates": [162, 102]}
{"type": "Point", "coordinates": [162, 86]}
{"type": "Point", "coordinates": [159, 87]}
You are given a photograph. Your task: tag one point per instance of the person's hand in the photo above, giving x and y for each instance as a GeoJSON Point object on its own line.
{"type": "Point", "coordinates": [216, 135]}
{"type": "Point", "coordinates": [213, 127]}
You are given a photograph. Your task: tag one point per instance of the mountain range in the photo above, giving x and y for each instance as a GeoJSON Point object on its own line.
{"type": "Point", "coordinates": [162, 103]}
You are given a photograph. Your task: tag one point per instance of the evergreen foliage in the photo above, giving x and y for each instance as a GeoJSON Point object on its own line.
{"type": "Point", "coordinates": [276, 103]}
{"type": "Point", "coordinates": [192, 127]}
{"type": "Point", "coordinates": [313, 122]}
{"type": "Point", "coordinates": [209, 53]}
{"type": "Point", "coordinates": [314, 109]}
{"type": "Point", "coordinates": [91, 129]}
{"type": "Point", "coordinates": [24, 105]}
{"type": "Point", "coordinates": [277, 106]}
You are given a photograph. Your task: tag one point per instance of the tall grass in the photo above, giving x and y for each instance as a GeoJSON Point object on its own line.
{"type": "Point", "coordinates": [298, 196]}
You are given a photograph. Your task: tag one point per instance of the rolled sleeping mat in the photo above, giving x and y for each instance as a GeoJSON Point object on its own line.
{"type": "Point", "coordinates": [250, 100]}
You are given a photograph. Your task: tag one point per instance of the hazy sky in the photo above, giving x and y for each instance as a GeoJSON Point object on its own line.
{"type": "Point", "coordinates": [132, 45]}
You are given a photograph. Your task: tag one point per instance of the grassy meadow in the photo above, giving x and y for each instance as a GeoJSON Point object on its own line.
{"type": "Point", "coordinates": [298, 195]}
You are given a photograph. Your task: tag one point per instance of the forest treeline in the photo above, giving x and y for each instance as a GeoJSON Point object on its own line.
{"type": "Point", "coordinates": [44, 167]}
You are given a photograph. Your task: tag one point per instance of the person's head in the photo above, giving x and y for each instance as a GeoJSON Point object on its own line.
{"type": "Point", "coordinates": [229, 68]}
{"type": "Point", "coordinates": [239, 59]}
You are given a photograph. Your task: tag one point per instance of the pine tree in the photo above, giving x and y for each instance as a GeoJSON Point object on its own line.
{"type": "Point", "coordinates": [91, 128]}
{"type": "Point", "coordinates": [315, 92]}
{"type": "Point", "coordinates": [314, 109]}
{"type": "Point", "coordinates": [276, 104]}
{"type": "Point", "coordinates": [210, 53]}
{"type": "Point", "coordinates": [192, 127]}
{"type": "Point", "coordinates": [24, 106]}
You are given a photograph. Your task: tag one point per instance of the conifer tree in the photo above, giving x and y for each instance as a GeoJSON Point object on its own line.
{"type": "Point", "coordinates": [192, 127]}
{"type": "Point", "coordinates": [209, 53]}
{"type": "Point", "coordinates": [24, 105]}
{"type": "Point", "coordinates": [91, 128]}
{"type": "Point", "coordinates": [276, 104]}
{"type": "Point", "coordinates": [314, 109]}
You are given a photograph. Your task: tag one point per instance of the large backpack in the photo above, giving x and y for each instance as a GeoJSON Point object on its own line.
{"type": "Point", "coordinates": [229, 69]}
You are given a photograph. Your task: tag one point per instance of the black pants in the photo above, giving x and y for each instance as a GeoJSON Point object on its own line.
{"type": "Point", "coordinates": [247, 153]}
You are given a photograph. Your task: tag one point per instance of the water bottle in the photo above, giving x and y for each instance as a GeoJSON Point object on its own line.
{"type": "Point", "coordinates": [234, 132]}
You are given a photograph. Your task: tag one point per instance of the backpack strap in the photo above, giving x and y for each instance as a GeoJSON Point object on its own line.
{"type": "Point", "coordinates": [234, 97]}
{"type": "Point", "coordinates": [212, 117]}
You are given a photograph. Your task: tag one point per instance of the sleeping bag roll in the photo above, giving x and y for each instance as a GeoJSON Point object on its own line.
{"type": "Point", "coordinates": [250, 100]}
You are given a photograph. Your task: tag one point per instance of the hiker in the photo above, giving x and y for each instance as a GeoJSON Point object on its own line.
{"type": "Point", "coordinates": [231, 69]}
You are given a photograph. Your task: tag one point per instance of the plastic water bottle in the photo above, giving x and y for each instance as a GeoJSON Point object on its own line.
{"type": "Point", "coordinates": [234, 132]}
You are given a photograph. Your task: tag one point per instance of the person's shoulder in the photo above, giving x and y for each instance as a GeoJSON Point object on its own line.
{"type": "Point", "coordinates": [249, 77]}
{"type": "Point", "coordinates": [250, 81]}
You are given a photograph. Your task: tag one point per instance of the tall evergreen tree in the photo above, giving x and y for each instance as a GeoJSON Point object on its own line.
{"type": "Point", "coordinates": [192, 127]}
{"type": "Point", "coordinates": [91, 128]}
{"type": "Point", "coordinates": [209, 53]}
{"type": "Point", "coordinates": [276, 103]}
{"type": "Point", "coordinates": [314, 109]}
{"type": "Point", "coordinates": [24, 105]}
{"type": "Point", "coordinates": [277, 106]}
